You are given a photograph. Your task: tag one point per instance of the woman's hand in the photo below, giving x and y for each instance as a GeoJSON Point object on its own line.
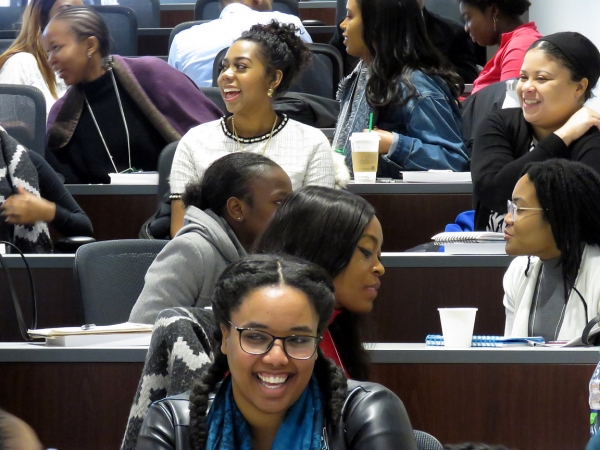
{"type": "Point", "coordinates": [578, 124]}
{"type": "Point", "coordinates": [385, 140]}
{"type": "Point", "coordinates": [25, 208]}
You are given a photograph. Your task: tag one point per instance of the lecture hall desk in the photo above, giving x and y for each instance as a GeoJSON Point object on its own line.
{"type": "Point", "coordinates": [526, 399]}
{"type": "Point", "coordinates": [412, 289]}
{"type": "Point", "coordinates": [410, 213]}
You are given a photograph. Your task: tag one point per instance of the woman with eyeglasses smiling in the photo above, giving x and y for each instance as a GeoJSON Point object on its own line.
{"type": "Point", "coordinates": [553, 220]}
{"type": "Point", "coordinates": [269, 386]}
{"type": "Point", "coordinates": [558, 75]}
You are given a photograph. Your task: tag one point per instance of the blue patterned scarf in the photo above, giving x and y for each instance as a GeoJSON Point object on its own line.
{"type": "Point", "coordinates": [301, 428]}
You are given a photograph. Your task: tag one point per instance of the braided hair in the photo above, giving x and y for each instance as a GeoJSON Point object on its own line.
{"type": "Point", "coordinates": [568, 192]}
{"type": "Point", "coordinates": [235, 283]}
{"type": "Point", "coordinates": [281, 49]}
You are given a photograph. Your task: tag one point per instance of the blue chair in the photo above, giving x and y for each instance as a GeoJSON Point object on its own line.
{"type": "Point", "coordinates": [122, 25]}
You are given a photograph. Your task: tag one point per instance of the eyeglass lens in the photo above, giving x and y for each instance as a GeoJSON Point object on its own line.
{"type": "Point", "coordinates": [258, 343]}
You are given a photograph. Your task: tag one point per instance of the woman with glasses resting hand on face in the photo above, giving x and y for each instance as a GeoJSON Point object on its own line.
{"type": "Point", "coordinates": [258, 67]}
{"type": "Point", "coordinates": [338, 231]}
{"type": "Point", "coordinates": [553, 290]}
{"type": "Point", "coordinates": [270, 386]}
{"type": "Point", "coordinates": [557, 77]}
{"type": "Point", "coordinates": [226, 212]}
{"type": "Point", "coordinates": [403, 81]}
{"type": "Point", "coordinates": [119, 113]}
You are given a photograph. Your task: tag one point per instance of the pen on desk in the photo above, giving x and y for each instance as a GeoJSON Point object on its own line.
{"type": "Point", "coordinates": [88, 326]}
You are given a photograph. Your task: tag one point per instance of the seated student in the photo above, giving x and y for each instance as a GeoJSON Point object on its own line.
{"type": "Point", "coordinates": [338, 231]}
{"type": "Point", "coordinates": [259, 65]}
{"type": "Point", "coordinates": [227, 210]}
{"type": "Point", "coordinates": [25, 61]}
{"type": "Point", "coordinates": [404, 83]}
{"type": "Point", "coordinates": [31, 197]}
{"type": "Point", "coordinates": [498, 22]}
{"type": "Point", "coordinates": [118, 113]}
{"type": "Point", "coordinates": [270, 387]}
{"type": "Point", "coordinates": [446, 35]}
{"type": "Point", "coordinates": [193, 50]}
{"type": "Point", "coordinates": [553, 290]}
{"type": "Point", "coordinates": [558, 75]}
{"type": "Point", "coordinates": [16, 434]}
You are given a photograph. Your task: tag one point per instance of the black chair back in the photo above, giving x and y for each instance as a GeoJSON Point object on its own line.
{"type": "Point", "coordinates": [210, 9]}
{"type": "Point", "coordinates": [426, 441]}
{"type": "Point", "coordinates": [110, 276]}
{"type": "Point", "coordinates": [4, 44]}
{"type": "Point", "coordinates": [214, 95]}
{"type": "Point", "coordinates": [23, 115]}
{"type": "Point", "coordinates": [165, 161]}
{"type": "Point", "coordinates": [10, 16]}
{"type": "Point", "coordinates": [147, 12]}
{"type": "Point", "coordinates": [122, 25]}
{"type": "Point", "coordinates": [184, 26]}
{"type": "Point", "coordinates": [321, 78]}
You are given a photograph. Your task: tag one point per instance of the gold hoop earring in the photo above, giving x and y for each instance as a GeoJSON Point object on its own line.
{"type": "Point", "coordinates": [270, 92]}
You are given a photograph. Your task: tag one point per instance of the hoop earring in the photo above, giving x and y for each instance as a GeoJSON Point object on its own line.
{"type": "Point", "coordinates": [270, 92]}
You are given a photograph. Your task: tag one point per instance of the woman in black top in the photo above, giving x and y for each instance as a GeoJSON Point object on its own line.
{"type": "Point", "coordinates": [557, 77]}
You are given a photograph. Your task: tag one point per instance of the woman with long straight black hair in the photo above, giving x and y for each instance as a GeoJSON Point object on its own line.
{"type": "Point", "coordinates": [403, 81]}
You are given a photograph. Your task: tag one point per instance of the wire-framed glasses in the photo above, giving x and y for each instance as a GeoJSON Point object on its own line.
{"type": "Point", "coordinates": [512, 208]}
{"type": "Point", "coordinates": [257, 342]}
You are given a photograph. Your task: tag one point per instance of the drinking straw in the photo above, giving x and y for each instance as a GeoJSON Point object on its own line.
{"type": "Point", "coordinates": [370, 122]}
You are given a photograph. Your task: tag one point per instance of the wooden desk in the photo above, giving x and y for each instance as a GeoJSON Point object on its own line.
{"type": "Point", "coordinates": [526, 399]}
{"type": "Point", "coordinates": [412, 289]}
{"type": "Point", "coordinates": [411, 213]}
{"type": "Point", "coordinates": [523, 398]}
{"type": "Point", "coordinates": [116, 212]}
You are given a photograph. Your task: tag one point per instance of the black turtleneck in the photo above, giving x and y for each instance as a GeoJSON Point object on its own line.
{"type": "Point", "coordinates": [85, 156]}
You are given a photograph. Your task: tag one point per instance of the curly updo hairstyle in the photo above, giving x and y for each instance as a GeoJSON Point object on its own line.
{"type": "Point", "coordinates": [234, 285]}
{"type": "Point", "coordinates": [280, 49]}
{"type": "Point", "coordinates": [508, 7]}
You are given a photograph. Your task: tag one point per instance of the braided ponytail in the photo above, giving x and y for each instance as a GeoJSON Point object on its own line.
{"type": "Point", "coordinates": [213, 374]}
{"type": "Point", "coordinates": [333, 385]}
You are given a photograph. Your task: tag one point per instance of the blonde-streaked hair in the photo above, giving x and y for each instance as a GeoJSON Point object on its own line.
{"type": "Point", "coordinates": [35, 19]}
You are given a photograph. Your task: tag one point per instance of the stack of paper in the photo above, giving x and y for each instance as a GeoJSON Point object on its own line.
{"type": "Point", "coordinates": [436, 176]}
{"type": "Point", "coordinates": [138, 178]}
{"type": "Point", "coordinates": [89, 335]}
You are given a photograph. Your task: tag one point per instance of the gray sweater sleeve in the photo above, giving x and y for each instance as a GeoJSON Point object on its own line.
{"type": "Point", "coordinates": [175, 278]}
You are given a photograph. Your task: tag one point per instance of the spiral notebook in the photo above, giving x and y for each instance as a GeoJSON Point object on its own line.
{"type": "Point", "coordinates": [487, 341]}
{"type": "Point", "coordinates": [471, 243]}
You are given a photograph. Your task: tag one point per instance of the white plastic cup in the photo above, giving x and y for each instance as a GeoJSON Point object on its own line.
{"type": "Point", "coordinates": [457, 326]}
{"type": "Point", "coordinates": [365, 154]}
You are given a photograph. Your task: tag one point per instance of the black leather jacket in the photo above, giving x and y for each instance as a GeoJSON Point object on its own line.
{"type": "Point", "coordinates": [373, 417]}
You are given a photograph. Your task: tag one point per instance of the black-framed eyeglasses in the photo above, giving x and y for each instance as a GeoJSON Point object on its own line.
{"type": "Point", "coordinates": [258, 342]}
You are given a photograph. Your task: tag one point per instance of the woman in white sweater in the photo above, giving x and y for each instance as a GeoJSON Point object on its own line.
{"type": "Point", "coordinates": [553, 220]}
{"type": "Point", "coordinates": [25, 61]}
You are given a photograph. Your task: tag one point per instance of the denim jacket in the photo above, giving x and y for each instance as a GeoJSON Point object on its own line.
{"type": "Point", "coordinates": [427, 130]}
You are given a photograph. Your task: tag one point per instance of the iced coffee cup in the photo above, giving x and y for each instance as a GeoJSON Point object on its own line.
{"type": "Point", "coordinates": [365, 153]}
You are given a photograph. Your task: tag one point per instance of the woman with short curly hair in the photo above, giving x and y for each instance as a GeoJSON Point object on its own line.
{"type": "Point", "coordinates": [498, 22]}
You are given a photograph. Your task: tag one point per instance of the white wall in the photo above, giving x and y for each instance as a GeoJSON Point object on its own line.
{"type": "Point", "coordinates": [582, 16]}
